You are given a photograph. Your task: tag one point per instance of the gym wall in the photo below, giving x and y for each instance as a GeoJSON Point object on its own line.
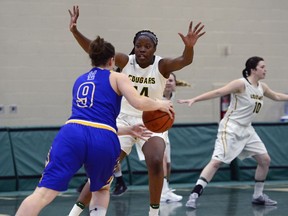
{"type": "Point", "coordinates": [40, 59]}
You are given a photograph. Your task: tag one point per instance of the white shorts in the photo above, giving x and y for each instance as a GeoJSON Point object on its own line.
{"type": "Point", "coordinates": [168, 147]}
{"type": "Point", "coordinates": [234, 140]}
{"type": "Point", "coordinates": [127, 142]}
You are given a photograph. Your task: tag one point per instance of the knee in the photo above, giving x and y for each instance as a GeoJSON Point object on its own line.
{"type": "Point", "coordinates": [264, 160]}
{"type": "Point", "coordinates": [154, 163]}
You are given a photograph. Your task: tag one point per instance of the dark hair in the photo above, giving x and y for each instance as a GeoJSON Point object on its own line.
{"type": "Point", "coordinates": [251, 63]}
{"type": "Point", "coordinates": [151, 35]}
{"type": "Point", "coordinates": [100, 51]}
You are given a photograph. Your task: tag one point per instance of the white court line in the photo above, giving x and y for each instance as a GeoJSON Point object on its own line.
{"type": "Point", "coordinates": [277, 189]}
{"type": "Point", "coordinates": [7, 198]}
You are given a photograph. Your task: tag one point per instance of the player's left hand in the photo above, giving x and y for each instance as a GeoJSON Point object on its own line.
{"type": "Point", "coordinates": [140, 131]}
{"type": "Point", "coordinates": [193, 34]}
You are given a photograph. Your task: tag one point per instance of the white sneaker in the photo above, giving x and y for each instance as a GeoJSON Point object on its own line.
{"type": "Point", "coordinates": [169, 196]}
{"type": "Point", "coordinates": [172, 189]}
{"type": "Point", "coordinates": [264, 200]}
{"type": "Point", "coordinates": [191, 203]}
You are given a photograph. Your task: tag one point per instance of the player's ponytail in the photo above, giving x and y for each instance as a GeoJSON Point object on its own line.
{"type": "Point", "coordinates": [245, 73]}
{"type": "Point", "coordinates": [100, 51]}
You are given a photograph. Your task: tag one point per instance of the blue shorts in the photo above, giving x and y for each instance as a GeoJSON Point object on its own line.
{"type": "Point", "coordinates": [76, 145]}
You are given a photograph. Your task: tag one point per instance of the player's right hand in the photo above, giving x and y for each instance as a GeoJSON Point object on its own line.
{"type": "Point", "coordinates": [167, 106]}
{"type": "Point", "coordinates": [186, 101]}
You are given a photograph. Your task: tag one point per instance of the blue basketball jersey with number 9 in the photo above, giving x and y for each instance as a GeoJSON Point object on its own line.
{"type": "Point", "coordinates": [94, 99]}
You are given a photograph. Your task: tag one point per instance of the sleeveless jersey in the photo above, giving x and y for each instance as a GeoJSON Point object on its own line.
{"type": "Point", "coordinates": [147, 81]}
{"type": "Point", "coordinates": [94, 99]}
{"type": "Point", "coordinates": [245, 106]}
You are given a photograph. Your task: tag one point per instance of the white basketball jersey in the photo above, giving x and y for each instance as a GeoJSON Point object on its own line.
{"type": "Point", "coordinates": [245, 106]}
{"type": "Point", "coordinates": [147, 81]}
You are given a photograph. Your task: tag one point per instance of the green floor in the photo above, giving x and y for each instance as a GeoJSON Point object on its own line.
{"type": "Point", "coordinates": [219, 199]}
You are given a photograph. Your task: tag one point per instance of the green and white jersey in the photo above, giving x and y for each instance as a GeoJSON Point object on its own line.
{"type": "Point", "coordinates": [245, 106]}
{"type": "Point", "coordinates": [147, 81]}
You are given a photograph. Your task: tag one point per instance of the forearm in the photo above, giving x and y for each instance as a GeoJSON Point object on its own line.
{"type": "Point", "coordinates": [182, 61]}
{"type": "Point", "coordinates": [146, 104]}
{"type": "Point", "coordinates": [169, 65]}
{"type": "Point", "coordinates": [207, 96]}
{"type": "Point", "coordinates": [281, 97]}
{"type": "Point", "coordinates": [122, 130]}
{"type": "Point", "coordinates": [188, 55]}
{"type": "Point", "coordinates": [82, 40]}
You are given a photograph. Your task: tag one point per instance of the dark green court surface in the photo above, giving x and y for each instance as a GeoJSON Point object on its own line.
{"type": "Point", "coordinates": [219, 199]}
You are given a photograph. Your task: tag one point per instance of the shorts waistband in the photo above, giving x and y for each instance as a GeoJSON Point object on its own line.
{"type": "Point", "coordinates": [226, 120]}
{"type": "Point", "coordinates": [91, 124]}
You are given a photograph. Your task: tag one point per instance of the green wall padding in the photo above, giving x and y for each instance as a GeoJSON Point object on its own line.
{"type": "Point", "coordinates": [7, 169]}
{"type": "Point", "coordinates": [192, 147]}
{"type": "Point", "coordinates": [24, 150]}
{"type": "Point", "coordinates": [6, 159]}
{"type": "Point", "coordinates": [30, 147]}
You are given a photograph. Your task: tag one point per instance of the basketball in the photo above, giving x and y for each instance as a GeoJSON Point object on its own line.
{"type": "Point", "coordinates": [157, 121]}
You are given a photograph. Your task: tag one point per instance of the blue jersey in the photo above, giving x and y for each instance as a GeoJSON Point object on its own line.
{"type": "Point", "coordinates": [94, 99]}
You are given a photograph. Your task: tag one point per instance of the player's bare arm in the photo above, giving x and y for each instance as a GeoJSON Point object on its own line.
{"type": "Point", "coordinates": [81, 39]}
{"type": "Point", "coordinates": [276, 96]}
{"type": "Point", "coordinates": [232, 87]}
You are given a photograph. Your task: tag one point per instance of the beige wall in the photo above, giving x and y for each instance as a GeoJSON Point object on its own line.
{"type": "Point", "coordinates": [40, 59]}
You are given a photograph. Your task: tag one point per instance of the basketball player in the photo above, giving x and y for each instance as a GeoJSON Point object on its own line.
{"type": "Point", "coordinates": [236, 136]}
{"type": "Point", "coordinates": [148, 72]}
{"type": "Point", "coordinates": [167, 194]}
{"type": "Point", "coordinates": [89, 137]}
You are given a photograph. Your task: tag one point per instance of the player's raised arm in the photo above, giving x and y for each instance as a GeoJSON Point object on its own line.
{"type": "Point", "coordinates": [168, 65]}
{"type": "Point", "coordinates": [81, 39]}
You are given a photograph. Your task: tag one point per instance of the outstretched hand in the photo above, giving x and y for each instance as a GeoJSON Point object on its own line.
{"type": "Point", "coordinates": [192, 36]}
{"type": "Point", "coordinates": [140, 131]}
{"type": "Point", "coordinates": [187, 101]}
{"type": "Point", "coordinates": [73, 18]}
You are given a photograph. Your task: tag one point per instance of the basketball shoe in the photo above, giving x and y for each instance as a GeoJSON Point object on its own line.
{"type": "Point", "coordinates": [192, 201]}
{"type": "Point", "coordinates": [263, 200]}
{"type": "Point", "coordinates": [120, 187]}
{"type": "Point", "coordinates": [169, 196]}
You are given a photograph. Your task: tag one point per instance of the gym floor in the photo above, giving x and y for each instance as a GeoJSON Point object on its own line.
{"type": "Point", "coordinates": [219, 199]}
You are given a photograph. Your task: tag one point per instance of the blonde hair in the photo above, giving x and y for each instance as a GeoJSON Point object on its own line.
{"type": "Point", "coordinates": [182, 83]}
